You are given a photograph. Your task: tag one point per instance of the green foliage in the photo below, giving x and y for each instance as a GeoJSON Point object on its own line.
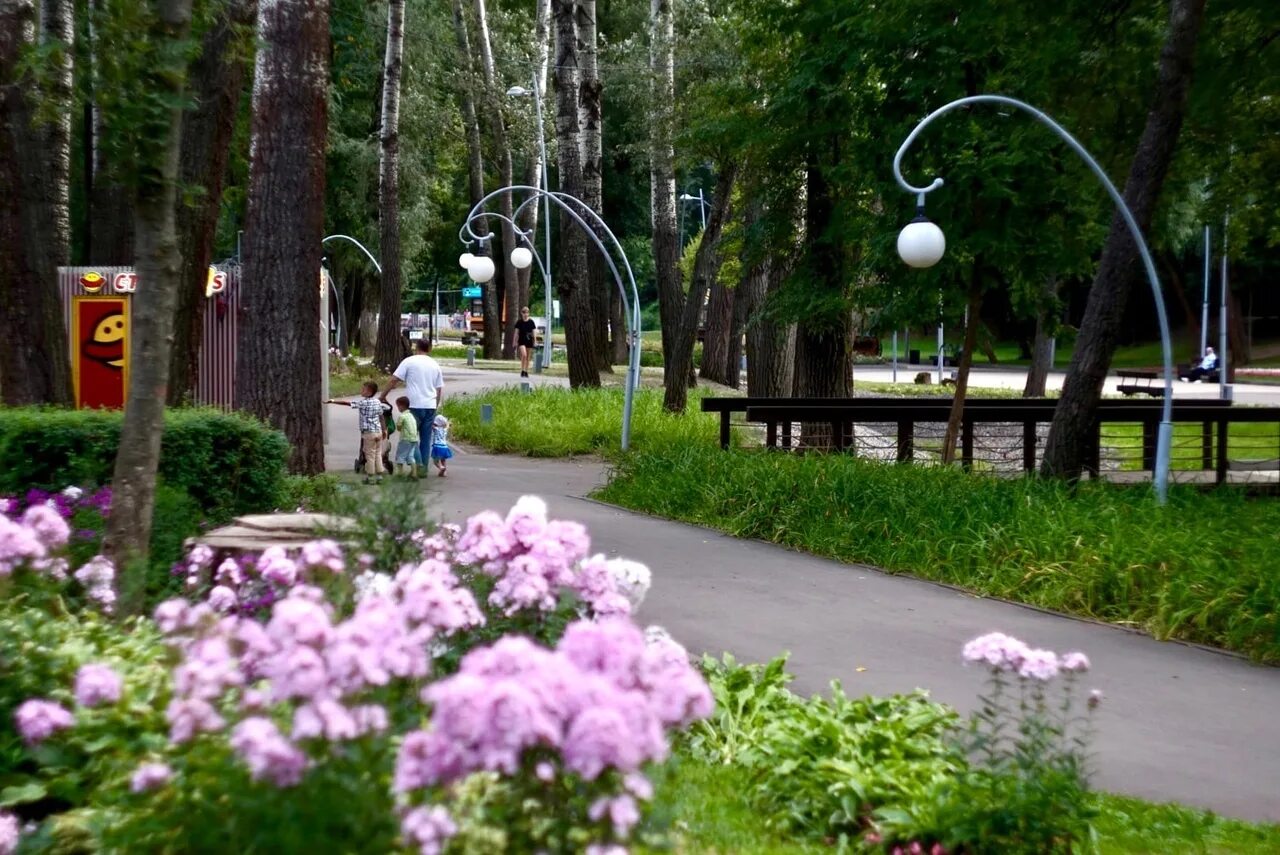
{"type": "Point", "coordinates": [1099, 550]}
{"type": "Point", "coordinates": [1128, 826]}
{"type": "Point", "coordinates": [228, 463]}
{"type": "Point", "coordinates": [556, 422]}
{"type": "Point", "coordinates": [818, 766]}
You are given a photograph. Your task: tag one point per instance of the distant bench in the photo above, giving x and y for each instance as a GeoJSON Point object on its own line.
{"type": "Point", "coordinates": [1140, 383]}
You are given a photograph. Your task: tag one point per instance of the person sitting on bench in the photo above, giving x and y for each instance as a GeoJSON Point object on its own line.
{"type": "Point", "coordinates": [1207, 366]}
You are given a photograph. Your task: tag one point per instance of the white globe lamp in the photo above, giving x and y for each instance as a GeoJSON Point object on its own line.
{"type": "Point", "coordinates": [921, 243]}
{"type": "Point", "coordinates": [481, 269]}
{"type": "Point", "coordinates": [521, 257]}
{"type": "Point", "coordinates": [464, 260]}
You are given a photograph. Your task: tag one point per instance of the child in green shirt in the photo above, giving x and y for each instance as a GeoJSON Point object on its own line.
{"type": "Point", "coordinates": [407, 455]}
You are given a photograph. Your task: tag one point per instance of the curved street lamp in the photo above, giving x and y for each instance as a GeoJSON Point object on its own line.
{"type": "Point", "coordinates": [921, 244]}
{"type": "Point", "coordinates": [593, 229]}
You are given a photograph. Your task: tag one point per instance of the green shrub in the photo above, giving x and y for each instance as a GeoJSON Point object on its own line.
{"type": "Point", "coordinates": [228, 463]}
{"type": "Point", "coordinates": [1201, 568]}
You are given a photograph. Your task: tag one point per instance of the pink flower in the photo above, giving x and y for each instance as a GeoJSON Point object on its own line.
{"type": "Point", "coordinates": [48, 525]}
{"type": "Point", "coordinates": [222, 599]}
{"type": "Point", "coordinates": [1095, 698]}
{"type": "Point", "coordinates": [267, 753]}
{"type": "Point", "coordinates": [1000, 651]}
{"type": "Point", "coordinates": [1039, 665]}
{"type": "Point", "coordinates": [621, 811]}
{"type": "Point", "coordinates": [97, 685]}
{"type": "Point", "coordinates": [10, 833]}
{"type": "Point", "coordinates": [188, 717]}
{"type": "Point", "coordinates": [326, 554]}
{"type": "Point", "coordinates": [278, 568]}
{"type": "Point", "coordinates": [1075, 662]}
{"type": "Point", "coordinates": [38, 719]}
{"type": "Point", "coordinates": [150, 776]}
{"type": "Point", "coordinates": [605, 849]}
{"type": "Point", "coordinates": [428, 829]}
{"type": "Point", "coordinates": [172, 615]}
{"type": "Point", "coordinates": [545, 772]}
{"type": "Point", "coordinates": [527, 520]}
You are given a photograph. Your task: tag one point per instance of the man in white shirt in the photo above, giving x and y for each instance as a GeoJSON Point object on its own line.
{"type": "Point", "coordinates": [424, 381]}
{"type": "Point", "coordinates": [1207, 366]}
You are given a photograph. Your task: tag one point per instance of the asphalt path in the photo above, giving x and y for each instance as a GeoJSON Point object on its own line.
{"type": "Point", "coordinates": [1178, 722]}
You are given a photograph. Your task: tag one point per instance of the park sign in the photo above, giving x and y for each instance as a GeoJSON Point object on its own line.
{"type": "Point", "coordinates": [471, 292]}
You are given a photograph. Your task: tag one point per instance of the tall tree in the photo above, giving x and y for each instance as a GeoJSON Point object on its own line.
{"type": "Point", "coordinates": [110, 200]}
{"type": "Point", "coordinates": [662, 175]}
{"type": "Point", "coordinates": [719, 329]}
{"type": "Point", "coordinates": [1069, 434]}
{"type": "Point", "coordinates": [157, 132]}
{"type": "Point", "coordinates": [706, 268]}
{"type": "Point", "coordinates": [572, 282]}
{"type": "Point", "coordinates": [498, 130]}
{"type": "Point", "coordinates": [278, 370]}
{"type": "Point", "coordinates": [534, 166]}
{"type": "Point", "coordinates": [389, 349]}
{"type": "Point", "coordinates": [217, 82]}
{"type": "Point", "coordinates": [492, 336]}
{"type": "Point", "coordinates": [34, 217]}
{"type": "Point", "coordinates": [590, 109]}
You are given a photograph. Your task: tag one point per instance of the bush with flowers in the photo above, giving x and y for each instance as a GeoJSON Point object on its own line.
{"type": "Point", "coordinates": [307, 700]}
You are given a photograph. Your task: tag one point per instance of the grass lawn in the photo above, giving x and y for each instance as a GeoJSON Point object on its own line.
{"type": "Point", "coordinates": [1245, 441]}
{"type": "Point", "coordinates": [707, 807]}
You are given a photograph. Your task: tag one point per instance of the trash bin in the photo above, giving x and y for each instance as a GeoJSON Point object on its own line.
{"type": "Point", "coordinates": [913, 357]}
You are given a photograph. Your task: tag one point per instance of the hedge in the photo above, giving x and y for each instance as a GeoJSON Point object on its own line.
{"type": "Point", "coordinates": [229, 463]}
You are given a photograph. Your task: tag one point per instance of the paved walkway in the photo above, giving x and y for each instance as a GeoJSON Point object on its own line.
{"type": "Point", "coordinates": [1178, 723]}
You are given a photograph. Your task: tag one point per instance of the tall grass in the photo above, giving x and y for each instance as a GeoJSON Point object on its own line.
{"type": "Point", "coordinates": [1203, 568]}
{"type": "Point", "coordinates": [558, 422]}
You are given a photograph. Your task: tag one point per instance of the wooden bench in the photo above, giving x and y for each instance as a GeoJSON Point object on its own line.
{"type": "Point", "coordinates": [1140, 383]}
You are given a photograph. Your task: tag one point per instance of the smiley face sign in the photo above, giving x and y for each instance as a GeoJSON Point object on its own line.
{"type": "Point", "coordinates": [100, 351]}
{"type": "Point", "coordinates": [93, 282]}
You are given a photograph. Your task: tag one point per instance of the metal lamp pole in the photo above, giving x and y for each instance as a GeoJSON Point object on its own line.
{"type": "Point", "coordinates": [702, 201]}
{"type": "Point", "coordinates": [594, 229]}
{"type": "Point", "coordinates": [521, 92]}
{"type": "Point", "coordinates": [928, 252]}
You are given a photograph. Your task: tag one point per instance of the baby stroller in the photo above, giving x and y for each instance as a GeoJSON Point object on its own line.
{"type": "Point", "coordinates": [387, 465]}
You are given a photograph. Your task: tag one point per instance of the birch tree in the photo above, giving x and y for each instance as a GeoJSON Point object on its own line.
{"type": "Point", "coordinates": [662, 175]}
{"type": "Point", "coordinates": [590, 107]}
{"type": "Point", "coordinates": [389, 349]}
{"type": "Point", "coordinates": [278, 369]}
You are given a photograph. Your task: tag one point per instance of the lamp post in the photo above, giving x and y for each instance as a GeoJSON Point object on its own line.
{"type": "Point", "coordinates": [921, 244]}
{"type": "Point", "coordinates": [480, 268]}
{"type": "Point", "coordinates": [701, 200]}
{"type": "Point", "coordinates": [521, 92]}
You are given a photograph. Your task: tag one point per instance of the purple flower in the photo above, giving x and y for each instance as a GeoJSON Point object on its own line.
{"type": "Point", "coordinates": [1039, 665]}
{"type": "Point", "coordinates": [48, 524]}
{"type": "Point", "coordinates": [428, 829]}
{"type": "Point", "coordinates": [188, 717]}
{"type": "Point", "coordinates": [621, 811]}
{"type": "Point", "coordinates": [1075, 661]}
{"type": "Point", "coordinates": [1095, 698]}
{"type": "Point", "coordinates": [150, 776]}
{"type": "Point", "coordinates": [222, 599]}
{"type": "Point", "coordinates": [10, 833]}
{"type": "Point", "coordinates": [1001, 652]}
{"type": "Point", "coordinates": [97, 685]}
{"type": "Point", "coordinates": [267, 753]}
{"type": "Point", "coordinates": [38, 719]}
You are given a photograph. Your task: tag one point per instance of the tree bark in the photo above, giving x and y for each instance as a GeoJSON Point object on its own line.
{"type": "Point", "coordinates": [217, 82]}
{"type": "Point", "coordinates": [972, 323]}
{"type": "Point", "coordinates": [590, 106]}
{"type": "Point", "coordinates": [491, 337]}
{"type": "Point", "coordinates": [1069, 437]}
{"type": "Point", "coordinates": [159, 268]}
{"type": "Point", "coordinates": [733, 356]}
{"type": "Point", "coordinates": [662, 176]}
{"type": "Point", "coordinates": [771, 346]}
{"type": "Point", "coordinates": [533, 171]}
{"type": "Point", "coordinates": [278, 370]}
{"type": "Point", "coordinates": [34, 216]}
{"type": "Point", "coordinates": [110, 203]}
{"type": "Point", "coordinates": [719, 326]}
{"type": "Point", "coordinates": [1042, 346]}
{"type": "Point", "coordinates": [706, 267]}
{"type": "Point", "coordinates": [389, 349]}
{"type": "Point", "coordinates": [572, 282]}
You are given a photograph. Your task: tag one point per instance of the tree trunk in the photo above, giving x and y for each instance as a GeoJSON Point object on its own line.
{"type": "Point", "coordinates": [662, 176]}
{"type": "Point", "coordinates": [34, 216]}
{"type": "Point", "coordinates": [217, 82]}
{"type": "Point", "coordinates": [491, 338]}
{"type": "Point", "coordinates": [572, 282]}
{"type": "Point", "coordinates": [771, 346]}
{"type": "Point", "coordinates": [506, 173]}
{"type": "Point", "coordinates": [733, 356]}
{"type": "Point", "coordinates": [1042, 346]}
{"type": "Point", "coordinates": [533, 172]}
{"type": "Point", "coordinates": [110, 204]}
{"type": "Point", "coordinates": [1069, 435]}
{"type": "Point", "coordinates": [278, 370]}
{"type": "Point", "coordinates": [824, 352]}
{"type": "Point", "coordinates": [719, 326]}
{"type": "Point", "coordinates": [590, 104]}
{"type": "Point", "coordinates": [159, 268]}
{"type": "Point", "coordinates": [706, 267]}
{"type": "Point", "coordinates": [973, 321]}
{"type": "Point", "coordinates": [389, 349]}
